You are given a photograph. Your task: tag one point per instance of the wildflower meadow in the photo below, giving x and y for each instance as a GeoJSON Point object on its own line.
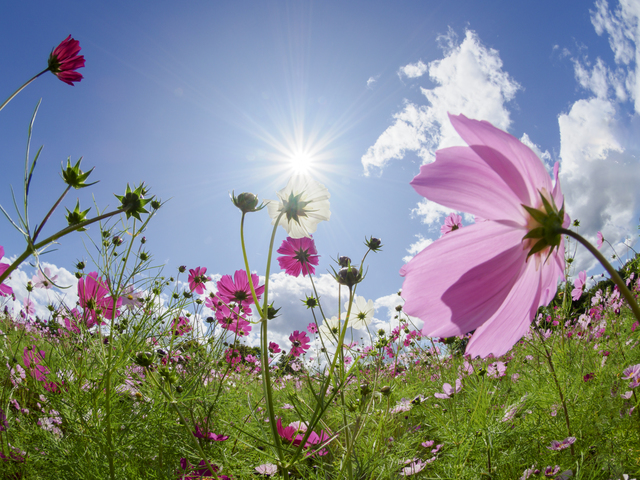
{"type": "Point", "coordinates": [498, 366]}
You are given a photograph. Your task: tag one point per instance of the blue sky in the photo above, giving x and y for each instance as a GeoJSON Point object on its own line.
{"type": "Point", "coordinates": [201, 98]}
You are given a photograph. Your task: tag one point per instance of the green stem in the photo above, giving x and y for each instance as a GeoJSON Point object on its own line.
{"type": "Point", "coordinates": [72, 228]}
{"type": "Point", "coordinates": [246, 266]}
{"type": "Point", "coordinates": [174, 404]}
{"type": "Point", "coordinates": [22, 88]}
{"type": "Point", "coordinates": [37, 232]}
{"type": "Point", "coordinates": [612, 271]}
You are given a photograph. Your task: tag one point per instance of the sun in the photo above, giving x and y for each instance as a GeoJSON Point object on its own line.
{"type": "Point", "coordinates": [301, 162]}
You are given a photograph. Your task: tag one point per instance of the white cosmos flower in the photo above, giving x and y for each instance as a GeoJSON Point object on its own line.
{"type": "Point", "coordinates": [329, 329]}
{"type": "Point", "coordinates": [361, 312]}
{"type": "Point", "coordinates": [304, 203]}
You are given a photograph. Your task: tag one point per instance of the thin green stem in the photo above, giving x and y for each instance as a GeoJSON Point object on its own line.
{"type": "Point", "coordinates": [626, 293]}
{"type": "Point", "coordinates": [22, 88]}
{"type": "Point", "coordinates": [246, 266]}
{"type": "Point", "coordinates": [37, 232]}
{"type": "Point", "coordinates": [65, 231]}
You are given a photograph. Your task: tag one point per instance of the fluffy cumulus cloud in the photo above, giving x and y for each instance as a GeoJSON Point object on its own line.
{"type": "Point", "coordinates": [413, 70]}
{"type": "Point", "coordinates": [600, 168]}
{"type": "Point", "coordinates": [469, 79]}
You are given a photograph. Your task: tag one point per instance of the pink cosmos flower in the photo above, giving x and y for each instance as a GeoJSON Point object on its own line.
{"type": "Point", "coordinates": [64, 61]}
{"type": "Point", "coordinates": [299, 255]}
{"type": "Point", "coordinates": [413, 466]}
{"type": "Point", "coordinates": [494, 287]}
{"type": "Point", "coordinates": [5, 290]}
{"type": "Point", "coordinates": [599, 240]}
{"type": "Point", "coordinates": [131, 298]}
{"type": "Point", "coordinates": [555, 445]}
{"type": "Point", "coordinates": [43, 280]}
{"type": "Point", "coordinates": [93, 293]}
{"type": "Point", "coordinates": [33, 363]}
{"type": "Point", "coordinates": [299, 343]}
{"type": "Point", "coordinates": [579, 285]}
{"type": "Point", "coordinates": [180, 326]}
{"type": "Point", "coordinates": [197, 278]}
{"type": "Point", "coordinates": [451, 223]}
{"type": "Point", "coordinates": [209, 435]}
{"type": "Point", "coordinates": [274, 347]}
{"type": "Point", "coordinates": [312, 328]}
{"type": "Point", "coordinates": [497, 369]}
{"type": "Point", "coordinates": [632, 372]}
{"type": "Point", "coordinates": [449, 390]}
{"type": "Point", "coordinates": [237, 290]}
{"type": "Point", "coordinates": [268, 469]}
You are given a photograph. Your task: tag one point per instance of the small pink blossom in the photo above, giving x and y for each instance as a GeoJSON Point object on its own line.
{"type": "Point", "coordinates": [299, 255]}
{"type": "Point", "coordinates": [43, 280]}
{"type": "Point", "coordinates": [449, 390]}
{"type": "Point", "coordinates": [197, 279]}
{"type": "Point", "coordinates": [631, 372]}
{"type": "Point", "coordinates": [180, 326]}
{"type": "Point", "coordinates": [555, 445]}
{"type": "Point", "coordinates": [274, 347]}
{"type": "Point", "coordinates": [579, 285]}
{"type": "Point", "coordinates": [451, 223]}
{"type": "Point", "coordinates": [497, 369]}
{"type": "Point", "coordinates": [312, 328]}
{"type": "Point", "coordinates": [268, 469]}
{"type": "Point", "coordinates": [299, 343]}
{"type": "Point", "coordinates": [599, 240]}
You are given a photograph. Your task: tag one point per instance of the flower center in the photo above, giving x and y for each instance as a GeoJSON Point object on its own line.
{"type": "Point", "coordinates": [294, 207]}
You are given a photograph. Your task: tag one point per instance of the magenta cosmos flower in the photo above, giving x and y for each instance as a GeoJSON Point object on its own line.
{"type": "Point", "coordinates": [299, 343]}
{"type": "Point", "coordinates": [299, 255]}
{"type": "Point", "coordinates": [197, 278]}
{"type": "Point", "coordinates": [93, 293]}
{"type": "Point", "coordinates": [64, 61]}
{"type": "Point", "coordinates": [487, 277]}
{"type": "Point", "coordinates": [5, 290]}
{"type": "Point", "coordinates": [237, 290]}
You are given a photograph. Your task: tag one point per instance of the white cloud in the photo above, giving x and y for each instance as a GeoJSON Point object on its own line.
{"type": "Point", "coordinates": [470, 80]}
{"type": "Point", "coordinates": [417, 247]}
{"type": "Point", "coordinates": [372, 80]}
{"type": "Point", "coordinates": [413, 70]}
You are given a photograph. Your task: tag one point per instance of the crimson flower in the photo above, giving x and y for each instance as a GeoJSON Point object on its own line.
{"type": "Point", "coordinates": [209, 435]}
{"type": "Point", "coordinates": [64, 61]}
{"type": "Point", "coordinates": [5, 290]}
{"type": "Point", "coordinates": [274, 347]}
{"type": "Point", "coordinates": [197, 277]}
{"type": "Point", "coordinates": [237, 289]}
{"type": "Point", "coordinates": [505, 266]}
{"type": "Point", "coordinates": [299, 255]}
{"type": "Point", "coordinates": [299, 343]}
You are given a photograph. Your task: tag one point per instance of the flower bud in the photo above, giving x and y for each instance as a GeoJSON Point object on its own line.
{"type": "Point", "coordinates": [116, 240]}
{"type": "Point", "coordinates": [374, 244]}
{"type": "Point", "coordinates": [349, 276]}
{"type": "Point", "coordinates": [344, 261]}
{"type": "Point", "coordinates": [144, 359]}
{"type": "Point", "coordinates": [182, 268]}
{"type": "Point", "coordinates": [246, 202]}
{"type": "Point", "coordinates": [386, 390]}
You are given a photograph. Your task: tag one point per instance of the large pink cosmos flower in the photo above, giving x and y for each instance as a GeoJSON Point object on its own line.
{"type": "Point", "coordinates": [299, 255]}
{"type": "Point", "coordinates": [5, 290]}
{"type": "Point", "coordinates": [237, 290]}
{"type": "Point", "coordinates": [482, 278]}
{"type": "Point", "coordinates": [64, 61]}
{"type": "Point", "coordinates": [93, 293]}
